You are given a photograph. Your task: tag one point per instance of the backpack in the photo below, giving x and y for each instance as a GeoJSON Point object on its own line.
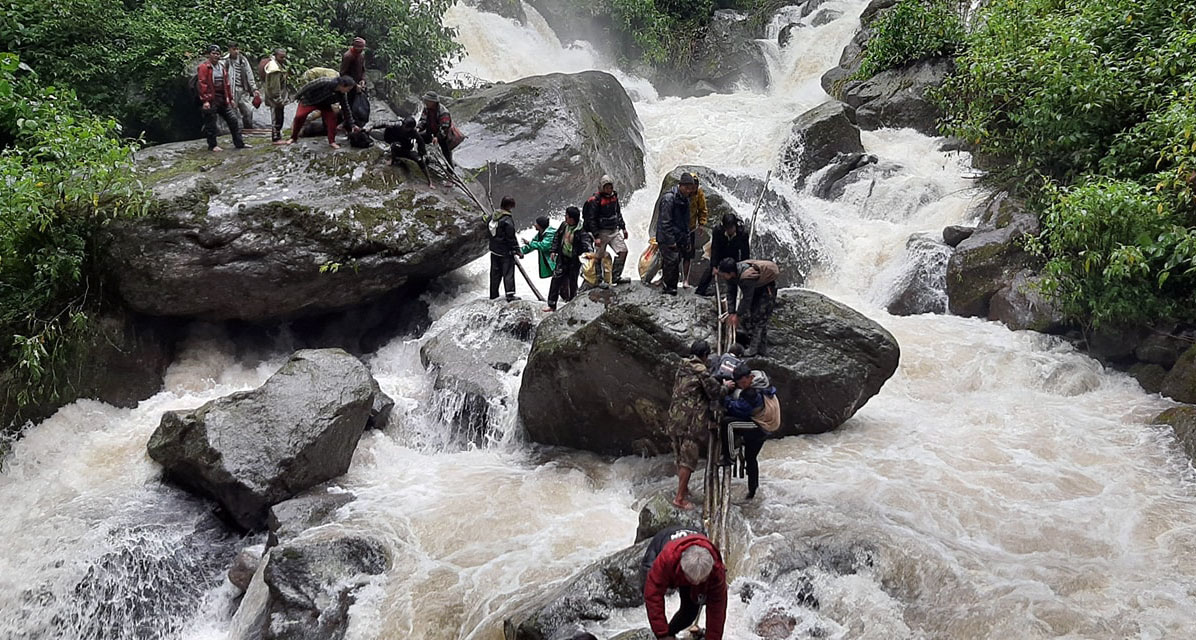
{"type": "Point", "coordinates": [360, 139]}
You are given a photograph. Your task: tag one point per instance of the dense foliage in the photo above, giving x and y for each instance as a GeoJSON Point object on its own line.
{"type": "Point", "coordinates": [63, 174]}
{"type": "Point", "coordinates": [128, 59]}
{"type": "Point", "coordinates": [913, 30]}
{"type": "Point", "coordinates": [1090, 106]}
{"type": "Point", "coordinates": [660, 32]}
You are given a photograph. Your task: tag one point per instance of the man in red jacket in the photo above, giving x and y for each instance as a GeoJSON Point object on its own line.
{"type": "Point", "coordinates": [215, 97]}
{"type": "Point", "coordinates": [686, 560]}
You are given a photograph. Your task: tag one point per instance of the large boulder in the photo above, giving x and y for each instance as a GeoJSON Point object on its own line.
{"type": "Point", "coordinates": [253, 449]}
{"type": "Point", "coordinates": [1021, 305]}
{"type": "Point", "coordinates": [314, 580]}
{"type": "Point", "coordinates": [552, 138]}
{"type": "Point", "coordinates": [610, 358]}
{"type": "Point", "coordinates": [921, 285]}
{"type": "Point", "coordinates": [1182, 420]}
{"type": "Point", "coordinates": [990, 258]}
{"type": "Point", "coordinates": [817, 138]}
{"type": "Point", "coordinates": [613, 582]}
{"type": "Point", "coordinates": [725, 59]}
{"type": "Point", "coordinates": [472, 352]}
{"type": "Point", "coordinates": [268, 234]}
{"type": "Point", "coordinates": [781, 233]}
{"type": "Point", "coordinates": [835, 80]}
{"type": "Point", "coordinates": [1180, 383]}
{"type": "Point", "coordinates": [897, 98]}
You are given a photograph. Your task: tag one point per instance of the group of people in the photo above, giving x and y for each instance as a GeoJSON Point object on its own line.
{"type": "Point", "coordinates": [227, 89]}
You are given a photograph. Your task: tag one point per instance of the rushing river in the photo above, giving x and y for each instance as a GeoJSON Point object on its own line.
{"type": "Point", "coordinates": [1000, 486]}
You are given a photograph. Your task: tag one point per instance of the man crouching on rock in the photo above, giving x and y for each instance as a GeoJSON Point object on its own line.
{"type": "Point", "coordinates": [686, 560]}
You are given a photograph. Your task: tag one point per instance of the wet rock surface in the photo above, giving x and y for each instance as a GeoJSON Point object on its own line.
{"type": "Point", "coordinates": [472, 362]}
{"type": "Point", "coordinates": [1182, 420]}
{"type": "Point", "coordinates": [312, 508]}
{"type": "Point", "coordinates": [1180, 383]}
{"type": "Point", "coordinates": [834, 81]}
{"type": "Point", "coordinates": [921, 286]}
{"type": "Point", "coordinates": [955, 234]}
{"type": "Point", "coordinates": [269, 234]}
{"type": "Point", "coordinates": [511, 9]}
{"type": "Point", "coordinates": [817, 138]}
{"type": "Point", "coordinates": [1020, 304]}
{"type": "Point", "coordinates": [254, 449]}
{"type": "Point", "coordinates": [826, 361]}
{"type": "Point", "coordinates": [989, 259]}
{"type": "Point", "coordinates": [898, 98]}
{"type": "Point", "coordinates": [725, 59]}
{"type": "Point", "coordinates": [552, 138]}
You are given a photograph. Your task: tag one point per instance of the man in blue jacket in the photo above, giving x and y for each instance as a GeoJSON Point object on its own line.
{"type": "Point", "coordinates": [751, 413]}
{"type": "Point", "coordinates": [672, 230]}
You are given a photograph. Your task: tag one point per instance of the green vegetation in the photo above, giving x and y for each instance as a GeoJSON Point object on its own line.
{"type": "Point", "coordinates": [658, 32]}
{"type": "Point", "coordinates": [913, 30]}
{"type": "Point", "coordinates": [63, 174]}
{"type": "Point", "coordinates": [129, 59]}
{"type": "Point", "coordinates": [1089, 106]}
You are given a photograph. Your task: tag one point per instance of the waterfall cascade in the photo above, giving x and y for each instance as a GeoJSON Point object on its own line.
{"type": "Point", "coordinates": [1001, 485]}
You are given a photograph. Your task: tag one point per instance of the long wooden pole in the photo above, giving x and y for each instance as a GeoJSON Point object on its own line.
{"type": "Point", "coordinates": [759, 202]}
{"type": "Point", "coordinates": [529, 281]}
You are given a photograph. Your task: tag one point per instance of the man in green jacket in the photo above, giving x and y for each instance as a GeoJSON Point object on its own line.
{"type": "Point", "coordinates": [542, 243]}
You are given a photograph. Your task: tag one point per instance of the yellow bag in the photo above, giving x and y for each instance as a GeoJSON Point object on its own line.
{"type": "Point", "coordinates": [589, 272]}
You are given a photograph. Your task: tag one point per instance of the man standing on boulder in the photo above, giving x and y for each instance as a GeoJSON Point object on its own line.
{"type": "Point", "coordinates": [730, 241]}
{"type": "Point", "coordinates": [751, 292]}
{"type": "Point", "coordinates": [699, 217]}
{"type": "Point", "coordinates": [320, 95]}
{"type": "Point", "coordinates": [685, 560]}
{"type": "Point", "coordinates": [215, 97]}
{"type": "Point", "coordinates": [570, 241]}
{"type": "Point", "coordinates": [276, 91]}
{"type": "Point", "coordinates": [435, 123]}
{"type": "Point", "coordinates": [504, 249]}
{"type": "Point", "coordinates": [690, 416]}
{"type": "Point", "coordinates": [603, 218]}
{"type": "Point", "coordinates": [542, 244]}
{"type": "Point", "coordinates": [672, 230]}
{"type": "Point", "coordinates": [240, 73]}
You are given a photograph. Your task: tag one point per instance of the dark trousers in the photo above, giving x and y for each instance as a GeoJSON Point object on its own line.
{"type": "Point", "coordinates": [221, 110]}
{"type": "Point", "coordinates": [502, 269]}
{"type": "Point", "coordinates": [756, 324]}
{"type": "Point", "coordinates": [753, 441]}
{"type": "Point", "coordinates": [277, 119]}
{"type": "Point", "coordinates": [687, 614]}
{"type": "Point", "coordinates": [444, 148]}
{"type": "Point", "coordinates": [670, 261]}
{"type": "Point", "coordinates": [564, 280]}
{"type": "Point", "coordinates": [707, 278]}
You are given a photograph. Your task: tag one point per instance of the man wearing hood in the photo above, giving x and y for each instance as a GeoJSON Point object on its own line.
{"type": "Point", "coordinates": [672, 230]}
{"type": "Point", "coordinates": [753, 412]}
{"type": "Point", "coordinates": [685, 560]}
{"type": "Point", "coordinates": [603, 219]}
{"type": "Point", "coordinates": [504, 249]}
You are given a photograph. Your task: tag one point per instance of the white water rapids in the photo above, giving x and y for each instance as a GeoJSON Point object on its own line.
{"type": "Point", "coordinates": [1000, 486]}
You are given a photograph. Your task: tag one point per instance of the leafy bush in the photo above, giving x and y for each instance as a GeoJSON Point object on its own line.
{"type": "Point", "coordinates": [912, 30]}
{"type": "Point", "coordinates": [129, 59]}
{"type": "Point", "coordinates": [63, 174]}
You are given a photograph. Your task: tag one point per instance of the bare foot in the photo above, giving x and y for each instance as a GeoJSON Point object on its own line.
{"type": "Point", "coordinates": [215, 149]}
{"type": "Point", "coordinates": [683, 504]}
{"type": "Point", "coordinates": [284, 142]}
{"type": "Point", "coordinates": [334, 145]}
{"type": "Point", "coordinates": [548, 309]}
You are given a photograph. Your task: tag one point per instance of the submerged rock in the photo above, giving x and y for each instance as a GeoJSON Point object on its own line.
{"type": "Point", "coordinates": [472, 358]}
{"type": "Point", "coordinates": [254, 449]}
{"type": "Point", "coordinates": [269, 234]}
{"type": "Point", "coordinates": [922, 285]}
{"type": "Point", "coordinates": [989, 259]}
{"type": "Point", "coordinates": [610, 359]}
{"type": "Point", "coordinates": [817, 138]}
{"type": "Point", "coordinates": [552, 138]}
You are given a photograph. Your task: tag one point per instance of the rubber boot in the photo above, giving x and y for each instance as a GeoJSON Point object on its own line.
{"type": "Point", "coordinates": [756, 346]}
{"type": "Point", "coordinates": [617, 270]}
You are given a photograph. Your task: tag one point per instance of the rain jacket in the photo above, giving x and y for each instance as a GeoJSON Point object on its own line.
{"type": "Point", "coordinates": [275, 85]}
{"type": "Point", "coordinates": [758, 403]}
{"type": "Point", "coordinates": [543, 244]}
{"type": "Point", "coordinates": [665, 573]}
{"type": "Point", "coordinates": [672, 218]}
{"type": "Point", "coordinates": [699, 215]}
{"type": "Point", "coordinates": [565, 250]}
{"type": "Point", "coordinates": [723, 247]}
{"type": "Point", "coordinates": [602, 213]}
{"type": "Point", "coordinates": [502, 234]}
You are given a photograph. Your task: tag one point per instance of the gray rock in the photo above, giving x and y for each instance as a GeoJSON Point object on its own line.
{"type": "Point", "coordinates": [836, 80]}
{"type": "Point", "coordinates": [380, 410]}
{"type": "Point", "coordinates": [658, 513]}
{"type": "Point", "coordinates": [816, 138]}
{"type": "Point", "coordinates": [897, 98]}
{"type": "Point", "coordinates": [1182, 420]}
{"type": "Point", "coordinates": [811, 6]}
{"type": "Point", "coordinates": [987, 261]}
{"type": "Point", "coordinates": [922, 285]}
{"type": "Point", "coordinates": [1116, 344]}
{"type": "Point", "coordinates": [636, 634]}
{"type": "Point", "coordinates": [876, 9]}
{"type": "Point", "coordinates": [726, 58]}
{"type": "Point", "coordinates": [1149, 376]}
{"type": "Point", "coordinates": [251, 235]}
{"type": "Point", "coordinates": [313, 582]}
{"type": "Point", "coordinates": [831, 182]}
{"type": "Point", "coordinates": [471, 359]}
{"type": "Point", "coordinates": [593, 594]}
{"type": "Point", "coordinates": [315, 507]}
{"type": "Point", "coordinates": [787, 34]}
{"type": "Point", "coordinates": [254, 449]}
{"type": "Point", "coordinates": [955, 234]}
{"type": "Point", "coordinates": [253, 612]}
{"type": "Point", "coordinates": [611, 358]}
{"type": "Point", "coordinates": [781, 233]}
{"type": "Point", "coordinates": [1180, 383]}
{"type": "Point", "coordinates": [512, 9]}
{"type": "Point", "coordinates": [1163, 346]}
{"type": "Point", "coordinates": [553, 137]}
{"type": "Point", "coordinates": [1021, 305]}
{"type": "Point", "coordinates": [244, 566]}
{"type": "Point", "coordinates": [825, 17]}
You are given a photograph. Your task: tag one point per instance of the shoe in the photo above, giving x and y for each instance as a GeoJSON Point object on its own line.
{"type": "Point", "coordinates": [751, 495]}
{"type": "Point", "coordinates": [623, 281]}
{"type": "Point", "coordinates": [512, 298]}
{"type": "Point", "coordinates": [603, 285]}
{"type": "Point", "coordinates": [703, 292]}
{"type": "Point", "coordinates": [245, 146]}
{"type": "Point", "coordinates": [669, 292]}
